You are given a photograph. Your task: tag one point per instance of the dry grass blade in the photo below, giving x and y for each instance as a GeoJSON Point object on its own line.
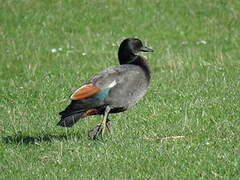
{"type": "Point", "coordinates": [164, 138]}
{"type": "Point", "coordinates": [62, 100]}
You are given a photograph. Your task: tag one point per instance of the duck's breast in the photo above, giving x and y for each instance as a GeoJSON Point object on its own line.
{"type": "Point", "coordinates": [128, 85]}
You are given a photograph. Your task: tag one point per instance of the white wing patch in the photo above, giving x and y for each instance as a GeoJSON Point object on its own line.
{"type": "Point", "coordinates": [112, 84]}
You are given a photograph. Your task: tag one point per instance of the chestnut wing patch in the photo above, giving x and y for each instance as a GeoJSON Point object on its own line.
{"type": "Point", "coordinates": [85, 91]}
{"type": "Point", "coordinates": [90, 112]}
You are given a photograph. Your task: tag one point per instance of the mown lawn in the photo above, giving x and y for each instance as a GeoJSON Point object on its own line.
{"type": "Point", "coordinates": [186, 127]}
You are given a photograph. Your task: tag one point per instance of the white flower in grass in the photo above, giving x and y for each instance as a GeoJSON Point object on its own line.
{"type": "Point", "coordinates": [53, 50]}
{"type": "Point", "coordinates": [201, 42]}
{"type": "Point", "coordinates": [84, 53]}
{"type": "Point", "coordinates": [207, 143]}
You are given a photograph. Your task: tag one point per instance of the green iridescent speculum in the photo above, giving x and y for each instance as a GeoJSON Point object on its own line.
{"type": "Point", "coordinates": [101, 94]}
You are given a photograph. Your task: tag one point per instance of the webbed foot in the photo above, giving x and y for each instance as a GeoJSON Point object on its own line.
{"type": "Point", "coordinates": [98, 131]}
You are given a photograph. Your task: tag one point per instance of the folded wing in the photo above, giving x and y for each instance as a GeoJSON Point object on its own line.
{"type": "Point", "coordinates": [84, 91]}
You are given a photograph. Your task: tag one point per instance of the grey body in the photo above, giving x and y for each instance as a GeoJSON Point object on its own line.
{"type": "Point", "coordinates": [132, 83]}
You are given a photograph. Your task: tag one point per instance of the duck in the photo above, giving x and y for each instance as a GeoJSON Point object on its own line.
{"type": "Point", "coordinates": [112, 90]}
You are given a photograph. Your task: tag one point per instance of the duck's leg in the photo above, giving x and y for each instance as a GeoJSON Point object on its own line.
{"type": "Point", "coordinates": [99, 129]}
{"type": "Point", "coordinates": [109, 126]}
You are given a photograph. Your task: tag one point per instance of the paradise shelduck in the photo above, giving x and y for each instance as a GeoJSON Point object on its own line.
{"type": "Point", "coordinates": [112, 90]}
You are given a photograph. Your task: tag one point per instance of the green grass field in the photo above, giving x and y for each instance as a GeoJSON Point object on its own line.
{"type": "Point", "coordinates": [186, 127]}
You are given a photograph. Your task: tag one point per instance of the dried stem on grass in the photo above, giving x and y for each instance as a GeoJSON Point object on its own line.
{"type": "Point", "coordinates": [164, 138]}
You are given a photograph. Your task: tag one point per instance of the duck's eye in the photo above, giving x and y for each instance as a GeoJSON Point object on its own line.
{"type": "Point", "coordinates": [138, 44]}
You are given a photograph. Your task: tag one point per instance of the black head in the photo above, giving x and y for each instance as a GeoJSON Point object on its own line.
{"type": "Point", "coordinates": [128, 49]}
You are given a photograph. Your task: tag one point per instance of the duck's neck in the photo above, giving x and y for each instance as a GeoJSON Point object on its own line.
{"type": "Point", "coordinates": [125, 55]}
{"type": "Point", "coordinates": [136, 60]}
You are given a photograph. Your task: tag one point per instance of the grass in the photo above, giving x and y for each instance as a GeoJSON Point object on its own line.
{"type": "Point", "coordinates": [194, 92]}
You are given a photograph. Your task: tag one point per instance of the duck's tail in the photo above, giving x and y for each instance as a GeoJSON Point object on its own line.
{"type": "Point", "coordinates": [70, 120]}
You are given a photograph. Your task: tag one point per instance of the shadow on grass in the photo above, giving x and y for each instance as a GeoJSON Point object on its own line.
{"type": "Point", "coordinates": [25, 139]}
